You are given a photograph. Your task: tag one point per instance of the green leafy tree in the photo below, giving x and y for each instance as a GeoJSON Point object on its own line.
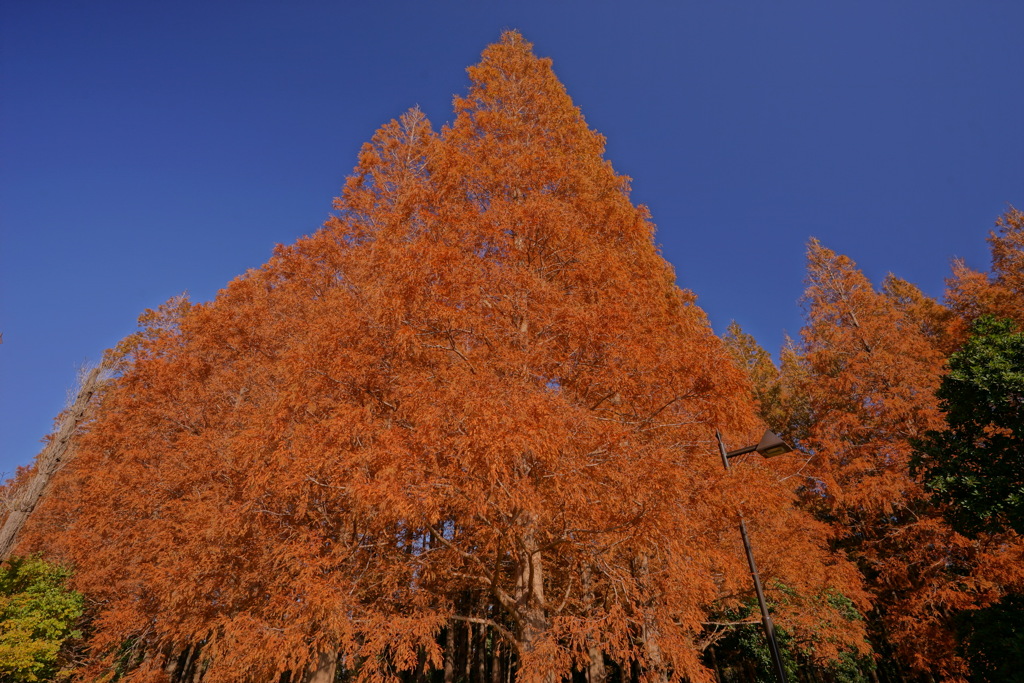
{"type": "Point", "coordinates": [37, 614]}
{"type": "Point", "coordinates": [976, 463]}
{"type": "Point", "coordinates": [993, 640]}
{"type": "Point", "coordinates": [743, 655]}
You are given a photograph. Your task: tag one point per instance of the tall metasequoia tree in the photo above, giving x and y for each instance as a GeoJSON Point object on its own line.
{"type": "Point", "coordinates": [1000, 292]}
{"type": "Point", "coordinates": [779, 391]}
{"type": "Point", "coordinates": [474, 403]}
{"type": "Point", "coordinates": [873, 363]}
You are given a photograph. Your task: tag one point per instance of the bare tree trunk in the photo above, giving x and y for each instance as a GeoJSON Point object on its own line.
{"type": "Point", "coordinates": [173, 660]}
{"type": "Point", "coordinates": [57, 453]}
{"type": "Point", "coordinates": [533, 618]}
{"type": "Point", "coordinates": [654, 654]}
{"type": "Point", "coordinates": [596, 670]}
{"type": "Point", "coordinates": [324, 670]}
{"type": "Point", "coordinates": [496, 659]}
{"type": "Point", "coordinates": [185, 673]}
{"type": "Point", "coordinates": [468, 670]}
{"type": "Point", "coordinates": [421, 666]}
{"type": "Point", "coordinates": [197, 670]}
{"type": "Point", "coordinates": [714, 663]}
{"type": "Point", "coordinates": [481, 654]}
{"type": "Point", "coordinates": [178, 663]}
{"type": "Point", "coordinates": [649, 634]}
{"type": "Point", "coordinates": [449, 653]}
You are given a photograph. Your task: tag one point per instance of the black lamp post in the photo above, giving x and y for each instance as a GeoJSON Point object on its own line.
{"type": "Point", "coordinates": [769, 446]}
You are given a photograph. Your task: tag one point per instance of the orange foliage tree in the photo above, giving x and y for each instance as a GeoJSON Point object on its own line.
{"type": "Point", "coordinates": [871, 364]}
{"type": "Point", "coordinates": [1000, 292]}
{"type": "Point", "coordinates": [475, 402]}
{"type": "Point", "coordinates": [779, 391]}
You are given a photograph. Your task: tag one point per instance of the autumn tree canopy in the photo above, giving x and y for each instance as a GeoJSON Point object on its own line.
{"type": "Point", "coordinates": [860, 389]}
{"type": "Point", "coordinates": [475, 402]}
{"type": "Point", "coordinates": [999, 292]}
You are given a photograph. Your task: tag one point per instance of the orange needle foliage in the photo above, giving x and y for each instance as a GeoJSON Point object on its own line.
{"type": "Point", "coordinates": [871, 365]}
{"type": "Point", "coordinates": [476, 396]}
{"type": "Point", "coordinates": [1001, 291]}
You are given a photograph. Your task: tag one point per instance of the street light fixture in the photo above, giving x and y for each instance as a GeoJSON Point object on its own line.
{"type": "Point", "coordinates": [769, 446]}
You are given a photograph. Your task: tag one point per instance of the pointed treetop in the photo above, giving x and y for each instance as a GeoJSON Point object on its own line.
{"type": "Point", "coordinates": [479, 380]}
{"type": "Point", "coordinates": [516, 102]}
{"type": "Point", "coordinates": [1000, 291]}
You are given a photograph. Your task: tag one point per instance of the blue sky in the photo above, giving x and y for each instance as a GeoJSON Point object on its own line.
{"type": "Point", "coordinates": [148, 149]}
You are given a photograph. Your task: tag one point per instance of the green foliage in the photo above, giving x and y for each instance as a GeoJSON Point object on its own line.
{"type": "Point", "coordinates": [849, 667]}
{"type": "Point", "coordinates": [744, 654]}
{"type": "Point", "coordinates": [37, 614]}
{"type": "Point", "coordinates": [993, 640]}
{"type": "Point", "coordinates": [976, 464]}
{"type": "Point", "coordinates": [752, 644]}
{"type": "Point", "coordinates": [749, 644]}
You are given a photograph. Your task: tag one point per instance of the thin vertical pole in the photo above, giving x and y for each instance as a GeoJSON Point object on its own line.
{"type": "Point", "coordinates": [766, 618]}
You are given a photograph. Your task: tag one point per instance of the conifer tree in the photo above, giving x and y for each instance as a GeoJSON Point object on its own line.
{"type": "Point", "coordinates": [762, 372]}
{"type": "Point", "coordinates": [873, 364]}
{"type": "Point", "coordinates": [1000, 292]}
{"type": "Point", "coordinates": [779, 391]}
{"type": "Point", "coordinates": [475, 403]}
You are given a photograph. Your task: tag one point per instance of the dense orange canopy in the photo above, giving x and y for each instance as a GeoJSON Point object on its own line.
{"type": "Point", "coordinates": [476, 394]}
{"type": "Point", "coordinates": [1000, 292]}
{"type": "Point", "coordinates": [870, 363]}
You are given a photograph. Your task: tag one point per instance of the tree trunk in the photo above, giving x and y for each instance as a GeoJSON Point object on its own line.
{"type": "Point", "coordinates": [469, 653]}
{"type": "Point", "coordinates": [496, 660]}
{"type": "Point", "coordinates": [185, 674]}
{"type": "Point", "coordinates": [596, 671]}
{"type": "Point", "coordinates": [649, 631]}
{"type": "Point", "coordinates": [533, 619]}
{"type": "Point", "coordinates": [419, 674]}
{"type": "Point", "coordinates": [57, 453]}
{"type": "Point", "coordinates": [197, 670]}
{"type": "Point", "coordinates": [655, 656]}
{"type": "Point", "coordinates": [173, 660]}
{"type": "Point", "coordinates": [178, 663]}
{"type": "Point", "coordinates": [449, 653]}
{"type": "Point", "coordinates": [324, 669]}
{"type": "Point", "coordinates": [481, 654]}
{"type": "Point", "coordinates": [714, 663]}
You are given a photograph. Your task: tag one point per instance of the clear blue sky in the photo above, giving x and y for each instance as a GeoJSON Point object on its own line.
{"type": "Point", "coordinates": [148, 149]}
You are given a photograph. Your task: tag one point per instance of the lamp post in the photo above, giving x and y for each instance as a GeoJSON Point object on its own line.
{"type": "Point", "coordinates": [769, 446]}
